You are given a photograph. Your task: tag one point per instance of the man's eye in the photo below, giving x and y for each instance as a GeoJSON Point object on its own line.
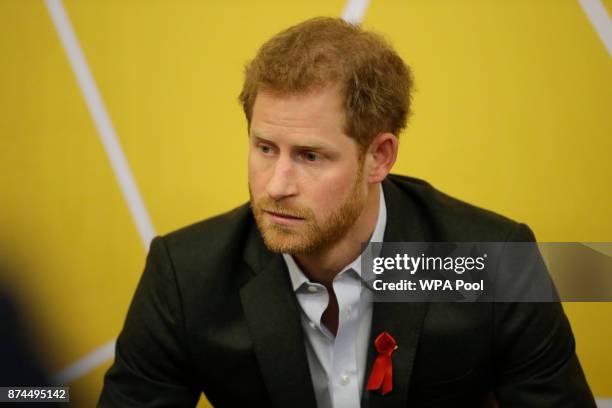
{"type": "Point", "coordinates": [265, 149]}
{"type": "Point", "coordinates": [311, 156]}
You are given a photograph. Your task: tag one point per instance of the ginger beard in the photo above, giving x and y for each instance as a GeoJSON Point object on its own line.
{"type": "Point", "coordinates": [312, 236]}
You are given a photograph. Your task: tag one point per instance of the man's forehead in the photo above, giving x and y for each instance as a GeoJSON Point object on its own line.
{"type": "Point", "coordinates": [320, 111]}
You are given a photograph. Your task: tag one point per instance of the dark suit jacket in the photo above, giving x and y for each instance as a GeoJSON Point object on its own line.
{"type": "Point", "coordinates": [214, 311]}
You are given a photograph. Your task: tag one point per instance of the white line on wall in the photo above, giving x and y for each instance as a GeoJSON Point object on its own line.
{"type": "Point", "coordinates": [102, 121]}
{"type": "Point", "coordinates": [603, 402]}
{"type": "Point", "coordinates": [600, 19]}
{"type": "Point", "coordinates": [117, 159]}
{"type": "Point", "coordinates": [85, 364]}
{"type": "Point", "coordinates": [355, 10]}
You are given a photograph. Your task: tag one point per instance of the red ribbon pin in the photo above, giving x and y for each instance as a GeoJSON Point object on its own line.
{"type": "Point", "coordinates": [381, 376]}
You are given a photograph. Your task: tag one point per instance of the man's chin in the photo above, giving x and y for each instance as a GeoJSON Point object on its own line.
{"type": "Point", "coordinates": [283, 242]}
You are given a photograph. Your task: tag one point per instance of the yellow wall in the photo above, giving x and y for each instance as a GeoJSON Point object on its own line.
{"type": "Point", "coordinates": [512, 112]}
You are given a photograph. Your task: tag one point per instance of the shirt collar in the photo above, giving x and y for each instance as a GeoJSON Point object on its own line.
{"type": "Point", "coordinates": [297, 276]}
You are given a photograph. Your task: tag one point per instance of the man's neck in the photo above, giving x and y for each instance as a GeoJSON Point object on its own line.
{"type": "Point", "coordinates": [324, 265]}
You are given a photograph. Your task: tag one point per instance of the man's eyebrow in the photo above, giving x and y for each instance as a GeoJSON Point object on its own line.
{"type": "Point", "coordinates": [257, 136]}
{"type": "Point", "coordinates": [262, 137]}
{"type": "Point", "coordinates": [315, 146]}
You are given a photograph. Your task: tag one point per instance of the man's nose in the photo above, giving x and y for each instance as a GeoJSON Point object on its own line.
{"type": "Point", "coordinates": [283, 183]}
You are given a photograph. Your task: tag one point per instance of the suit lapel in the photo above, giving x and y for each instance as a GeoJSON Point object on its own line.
{"type": "Point", "coordinates": [402, 320]}
{"type": "Point", "coordinates": [273, 318]}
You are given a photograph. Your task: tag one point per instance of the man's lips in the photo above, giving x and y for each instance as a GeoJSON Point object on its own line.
{"type": "Point", "coordinates": [283, 219]}
{"type": "Point", "coordinates": [284, 215]}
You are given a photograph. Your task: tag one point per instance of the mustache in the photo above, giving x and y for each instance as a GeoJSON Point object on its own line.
{"type": "Point", "coordinates": [268, 205]}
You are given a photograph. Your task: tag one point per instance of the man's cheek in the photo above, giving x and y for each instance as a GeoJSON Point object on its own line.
{"type": "Point", "coordinates": [257, 184]}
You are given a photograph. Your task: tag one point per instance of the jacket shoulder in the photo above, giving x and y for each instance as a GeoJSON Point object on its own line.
{"type": "Point", "coordinates": [456, 220]}
{"type": "Point", "coordinates": [215, 241]}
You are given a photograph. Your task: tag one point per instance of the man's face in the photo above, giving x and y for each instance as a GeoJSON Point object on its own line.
{"type": "Point", "coordinates": [305, 175]}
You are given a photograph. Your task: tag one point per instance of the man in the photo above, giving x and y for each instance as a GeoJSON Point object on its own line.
{"type": "Point", "coordinates": [266, 306]}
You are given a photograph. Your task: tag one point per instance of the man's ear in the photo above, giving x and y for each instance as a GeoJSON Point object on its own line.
{"type": "Point", "coordinates": [381, 156]}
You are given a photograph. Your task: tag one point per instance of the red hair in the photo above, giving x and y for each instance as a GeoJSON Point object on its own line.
{"type": "Point", "coordinates": [375, 81]}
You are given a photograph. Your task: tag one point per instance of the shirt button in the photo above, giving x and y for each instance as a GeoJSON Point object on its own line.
{"type": "Point", "coordinates": [312, 289]}
{"type": "Point", "coordinates": [345, 379]}
{"type": "Point", "coordinates": [312, 325]}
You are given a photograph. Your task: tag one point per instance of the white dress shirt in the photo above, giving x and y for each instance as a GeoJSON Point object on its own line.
{"type": "Point", "coordinates": [337, 364]}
